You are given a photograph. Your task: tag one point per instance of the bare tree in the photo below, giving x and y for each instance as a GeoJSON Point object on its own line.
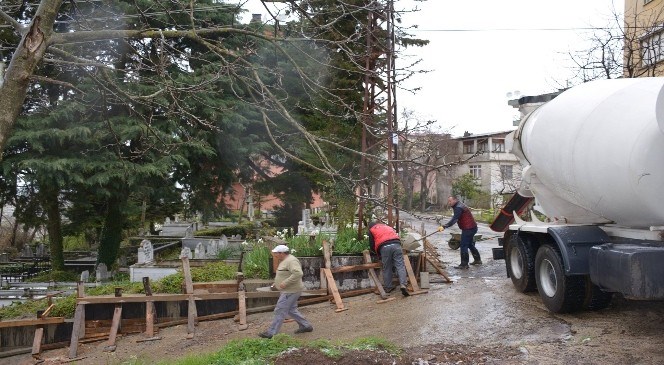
{"type": "Point", "coordinates": [627, 46]}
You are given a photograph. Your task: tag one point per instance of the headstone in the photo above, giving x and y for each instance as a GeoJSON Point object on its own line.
{"type": "Point", "coordinates": [85, 276]}
{"type": "Point", "coordinates": [306, 218]}
{"type": "Point", "coordinates": [140, 255]}
{"type": "Point", "coordinates": [148, 251]}
{"type": "Point", "coordinates": [213, 248]}
{"type": "Point", "coordinates": [101, 272]}
{"type": "Point", "coordinates": [186, 252]}
{"type": "Point", "coordinates": [167, 220]}
{"type": "Point", "coordinates": [199, 252]}
{"type": "Point", "coordinates": [189, 232]}
{"type": "Point", "coordinates": [250, 208]}
{"type": "Point", "coordinates": [4, 257]}
{"type": "Point", "coordinates": [27, 251]}
{"type": "Point", "coordinates": [224, 241]}
{"type": "Point", "coordinates": [41, 250]}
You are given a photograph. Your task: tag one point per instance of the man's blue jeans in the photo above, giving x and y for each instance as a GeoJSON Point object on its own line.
{"type": "Point", "coordinates": [467, 243]}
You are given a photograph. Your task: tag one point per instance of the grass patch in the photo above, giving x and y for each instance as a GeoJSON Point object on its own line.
{"type": "Point", "coordinates": [252, 351]}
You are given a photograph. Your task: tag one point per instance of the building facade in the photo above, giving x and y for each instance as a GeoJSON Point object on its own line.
{"type": "Point", "coordinates": [644, 38]}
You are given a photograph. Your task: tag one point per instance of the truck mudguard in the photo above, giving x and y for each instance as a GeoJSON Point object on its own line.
{"type": "Point", "coordinates": [574, 243]}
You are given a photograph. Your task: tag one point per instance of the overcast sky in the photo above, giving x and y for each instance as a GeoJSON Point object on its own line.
{"type": "Point", "coordinates": [481, 50]}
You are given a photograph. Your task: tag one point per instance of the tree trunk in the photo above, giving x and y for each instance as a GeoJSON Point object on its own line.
{"type": "Point", "coordinates": [424, 192]}
{"type": "Point", "coordinates": [26, 58]}
{"type": "Point", "coordinates": [49, 198]}
{"type": "Point", "coordinates": [111, 236]}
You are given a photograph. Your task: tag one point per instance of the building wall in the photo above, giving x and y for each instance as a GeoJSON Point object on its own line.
{"type": "Point", "coordinates": [486, 166]}
{"type": "Point", "coordinates": [644, 34]}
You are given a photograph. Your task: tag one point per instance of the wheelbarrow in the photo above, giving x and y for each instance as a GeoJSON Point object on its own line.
{"type": "Point", "coordinates": [455, 241]}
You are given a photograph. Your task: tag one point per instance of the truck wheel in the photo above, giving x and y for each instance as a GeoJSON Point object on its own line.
{"type": "Point", "coordinates": [560, 293]}
{"type": "Point", "coordinates": [596, 298]}
{"type": "Point", "coordinates": [520, 260]}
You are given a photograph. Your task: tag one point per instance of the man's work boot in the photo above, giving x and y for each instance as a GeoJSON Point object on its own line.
{"type": "Point", "coordinates": [476, 262]}
{"type": "Point", "coordinates": [461, 267]}
{"type": "Point", "coordinates": [404, 291]}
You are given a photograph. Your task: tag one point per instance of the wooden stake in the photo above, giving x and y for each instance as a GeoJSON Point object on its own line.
{"type": "Point", "coordinates": [439, 270]}
{"type": "Point", "coordinates": [242, 302]}
{"type": "Point", "coordinates": [191, 306]}
{"type": "Point", "coordinates": [37, 341]}
{"type": "Point", "coordinates": [79, 316]}
{"type": "Point", "coordinates": [373, 276]}
{"type": "Point", "coordinates": [149, 309]}
{"type": "Point", "coordinates": [411, 275]}
{"type": "Point", "coordinates": [115, 326]}
{"type": "Point", "coordinates": [327, 255]}
{"type": "Point", "coordinates": [332, 287]}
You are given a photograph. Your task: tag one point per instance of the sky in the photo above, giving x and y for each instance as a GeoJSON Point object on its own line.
{"type": "Point", "coordinates": [484, 52]}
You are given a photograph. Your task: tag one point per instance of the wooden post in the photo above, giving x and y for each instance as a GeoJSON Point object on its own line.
{"type": "Point", "coordinates": [242, 302]}
{"type": "Point", "coordinates": [115, 326]}
{"type": "Point", "coordinates": [149, 309]}
{"type": "Point", "coordinates": [373, 276]}
{"type": "Point", "coordinates": [332, 287]}
{"type": "Point", "coordinates": [411, 276]}
{"type": "Point", "coordinates": [37, 341]}
{"type": "Point", "coordinates": [79, 316]}
{"type": "Point", "coordinates": [327, 254]}
{"type": "Point", "coordinates": [191, 305]}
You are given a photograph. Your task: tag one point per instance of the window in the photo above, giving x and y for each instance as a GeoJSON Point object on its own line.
{"type": "Point", "coordinates": [506, 172]}
{"type": "Point", "coordinates": [483, 145]}
{"type": "Point", "coordinates": [476, 171]}
{"type": "Point", "coordinates": [498, 145]}
{"type": "Point", "coordinates": [468, 147]}
{"type": "Point", "coordinates": [652, 49]}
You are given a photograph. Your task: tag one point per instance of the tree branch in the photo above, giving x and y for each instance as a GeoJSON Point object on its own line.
{"type": "Point", "coordinates": [17, 26]}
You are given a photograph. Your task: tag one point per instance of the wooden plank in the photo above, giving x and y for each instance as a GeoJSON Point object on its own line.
{"type": "Point", "coordinates": [37, 341]}
{"type": "Point", "coordinates": [191, 316]}
{"type": "Point", "coordinates": [79, 317]}
{"type": "Point", "coordinates": [373, 276]}
{"type": "Point", "coordinates": [31, 322]}
{"type": "Point", "coordinates": [47, 311]}
{"type": "Point", "coordinates": [327, 254]}
{"type": "Point", "coordinates": [186, 271]}
{"type": "Point", "coordinates": [439, 270]}
{"type": "Point", "coordinates": [411, 275]}
{"type": "Point", "coordinates": [115, 325]}
{"type": "Point", "coordinates": [149, 308]}
{"type": "Point", "coordinates": [332, 286]}
{"type": "Point", "coordinates": [367, 266]}
{"type": "Point", "coordinates": [104, 299]}
{"type": "Point", "coordinates": [242, 305]}
{"type": "Point", "coordinates": [385, 300]}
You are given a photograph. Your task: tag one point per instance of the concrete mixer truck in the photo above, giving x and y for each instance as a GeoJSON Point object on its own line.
{"type": "Point", "coordinates": [593, 165]}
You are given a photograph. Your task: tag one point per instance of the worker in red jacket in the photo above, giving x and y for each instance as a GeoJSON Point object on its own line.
{"type": "Point", "coordinates": [384, 241]}
{"type": "Point", "coordinates": [463, 217]}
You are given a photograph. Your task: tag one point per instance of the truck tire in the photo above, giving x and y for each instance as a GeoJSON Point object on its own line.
{"type": "Point", "coordinates": [596, 298]}
{"type": "Point", "coordinates": [520, 261]}
{"type": "Point", "coordinates": [560, 293]}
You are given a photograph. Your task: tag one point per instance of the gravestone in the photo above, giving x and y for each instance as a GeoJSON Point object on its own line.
{"type": "Point", "coordinates": [148, 251]}
{"type": "Point", "coordinates": [189, 232]}
{"type": "Point", "coordinates": [224, 241]}
{"type": "Point", "coordinates": [186, 252]}
{"type": "Point", "coordinates": [199, 252]}
{"type": "Point", "coordinates": [27, 251]}
{"type": "Point", "coordinates": [85, 276]}
{"type": "Point", "coordinates": [213, 248]}
{"type": "Point", "coordinates": [41, 250]}
{"type": "Point", "coordinates": [101, 272]}
{"type": "Point", "coordinates": [4, 257]}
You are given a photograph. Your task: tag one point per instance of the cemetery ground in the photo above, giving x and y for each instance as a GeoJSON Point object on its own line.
{"type": "Point", "coordinates": [478, 319]}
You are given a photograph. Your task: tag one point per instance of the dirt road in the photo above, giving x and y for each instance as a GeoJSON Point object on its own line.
{"type": "Point", "coordinates": [479, 312]}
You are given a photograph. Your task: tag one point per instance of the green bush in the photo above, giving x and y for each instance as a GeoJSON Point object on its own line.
{"type": "Point", "coordinates": [256, 263]}
{"type": "Point", "coordinates": [57, 276]}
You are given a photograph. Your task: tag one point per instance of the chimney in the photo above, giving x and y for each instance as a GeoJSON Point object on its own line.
{"type": "Point", "coordinates": [256, 18]}
{"type": "Point", "coordinates": [466, 134]}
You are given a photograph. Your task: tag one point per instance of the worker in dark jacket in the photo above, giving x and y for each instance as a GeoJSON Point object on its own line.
{"type": "Point", "coordinates": [384, 241]}
{"type": "Point", "coordinates": [464, 218]}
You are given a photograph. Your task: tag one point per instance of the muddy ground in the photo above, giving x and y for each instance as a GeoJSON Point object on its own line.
{"type": "Point", "coordinates": [478, 319]}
